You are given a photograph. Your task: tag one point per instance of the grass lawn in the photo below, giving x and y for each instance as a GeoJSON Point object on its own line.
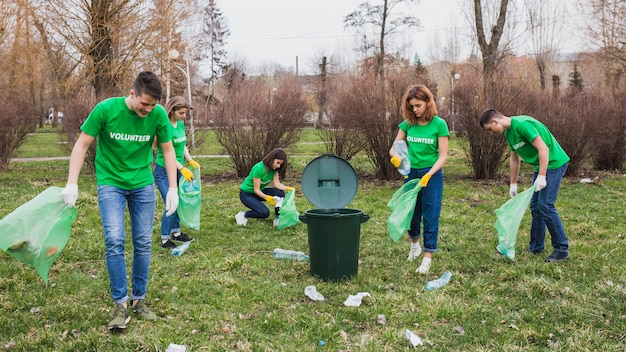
{"type": "Point", "coordinates": [227, 292]}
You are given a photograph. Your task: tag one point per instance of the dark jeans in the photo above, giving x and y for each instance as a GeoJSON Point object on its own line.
{"type": "Point", "coordinates": [545, 214]}
{"type": "Point", "coordinates": [254, 202]}
{"type": "Point", "coordinates": [427, 208]}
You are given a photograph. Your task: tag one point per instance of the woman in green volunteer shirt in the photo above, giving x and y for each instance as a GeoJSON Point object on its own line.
{"type": "Point", "coordinates": [125, 128]}
{"type": "Point", "coordinates": [254, 190]}
{"type": "Point", "coordinates": [177, 109]}
{"type": "Point", "coordinates": [531, 141]}
{"type": "Point", "coordinates": [426, 136]}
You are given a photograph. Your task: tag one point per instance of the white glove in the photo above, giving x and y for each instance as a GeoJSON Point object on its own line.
{"type": "Point", "coordinates": [513, 190]}
{"type": "Point", "coordinates": [171, 201]}
{"type": "Point", "coordinates": [70, 194]}
{"type": "Point", "coordinates": [540, 183]}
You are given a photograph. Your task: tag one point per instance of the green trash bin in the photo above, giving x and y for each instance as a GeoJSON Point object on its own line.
{"type": "Point", "coordinates": [330, 183]}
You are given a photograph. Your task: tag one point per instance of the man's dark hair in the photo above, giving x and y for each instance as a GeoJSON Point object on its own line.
{"type": "Point", "coordinates": [148, 83]}
{"type": "Point", "coordinates": [487, 116]}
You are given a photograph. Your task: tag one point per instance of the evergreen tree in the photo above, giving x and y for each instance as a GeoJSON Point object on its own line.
{"type": "Point", "coordinates": [576, 80]}
{"type": "Point", "coordinates": [216, 31]}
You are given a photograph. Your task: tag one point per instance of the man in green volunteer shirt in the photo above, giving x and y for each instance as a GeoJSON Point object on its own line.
{"type": "Point", "coordinates": [125, 128]}
{"type": "Point", "coordinates": [531, 141]}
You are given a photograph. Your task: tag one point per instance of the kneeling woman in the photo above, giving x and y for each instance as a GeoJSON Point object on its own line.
{"type": "Point", "coordinates": [254, 190]}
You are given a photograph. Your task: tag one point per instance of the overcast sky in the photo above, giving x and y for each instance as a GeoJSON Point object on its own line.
{"type": "Point", "coordinates": [267, 32]}
{"type": "Point", "coordinates": [277, 31]}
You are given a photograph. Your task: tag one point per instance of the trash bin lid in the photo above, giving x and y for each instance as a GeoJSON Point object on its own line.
{"type": "Point", "coordinates": [329, 182]}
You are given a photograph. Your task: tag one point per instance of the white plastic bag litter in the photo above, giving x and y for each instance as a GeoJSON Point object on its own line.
{"type": "Point", "coordinates": [413, 338]}
{"type": "Point", "coordinates": [176, 348]}
{"type": "Point", "coordinates": [311, 292]}
{"type": "Point", "coordinates": [355, 300]}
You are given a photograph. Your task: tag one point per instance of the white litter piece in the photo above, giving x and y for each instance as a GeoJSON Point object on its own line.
{"type": "Point", "coordinates": [176, 348]}
{"type": "Point", "coordinates": [311, 292]}
{"type": "Point", "coordinates": [586, 180]}
{"type": "Point", "coordinates": [413, 339]}
{"type": "Point", "coordinates": [355, 300]}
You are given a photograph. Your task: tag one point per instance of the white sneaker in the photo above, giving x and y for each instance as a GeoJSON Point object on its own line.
{"type": "Point", "coordinates": [425, 267]}
{"type": "Point", "coordinates": [414, 253]}
{"type": "Point", "coordinates": [241, 218]}
{"type": "Point", "coordinates": [275, 222]}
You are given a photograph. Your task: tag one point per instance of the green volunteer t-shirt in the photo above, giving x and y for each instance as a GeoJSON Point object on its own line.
{"type": "Point", "coordinates": [124, 151]}
{"type": "Point", "coordinates": [520, 136]}
{"type": "Point", "coordinates": [258, 171]}
{"type": "Point", "coordinates": [179, 140]}
{"type": "Point", "coordinates": [423, 141]}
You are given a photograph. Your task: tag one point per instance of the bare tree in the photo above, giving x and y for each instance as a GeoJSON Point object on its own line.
{"type": "Point", "coordinates": [544, 27]}
{"type": "Point", "coordinates": [108, 39]}
{"type": "Point", "coordinates": [607, 23]}
{"type": "Point", "coordinates": [380, 18]}
{"type": "Point", "coordinates": [491, 53]}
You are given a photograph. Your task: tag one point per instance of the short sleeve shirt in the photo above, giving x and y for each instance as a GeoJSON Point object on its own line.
{"type": "Point", "coordinates": [124, 151]}
{"type": "Point", "coordinates": [423, 141]}
{"type": "Point", "coordinates": [179, 140]}
{"type": "Point", "coordinates": [257, 171]}
{"type": "Point", "coordinates": [520, 136]}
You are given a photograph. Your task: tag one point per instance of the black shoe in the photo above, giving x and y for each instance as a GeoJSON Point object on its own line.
{"type": "Point", "coordinates": [182, 237]}
{"type": "Point", "coordinates": [536, 251]}
{"type": "Point", "coordinates": [168, 245]}
{"type": "Point", "coordinates": [557, 256]}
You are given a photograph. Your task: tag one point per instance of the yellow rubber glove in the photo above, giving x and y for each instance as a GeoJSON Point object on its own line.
{"type": "Point", "coordinates": [270, 200]}
{"type": "Point", "coordinates": [289, 189]}
{"type": "Point", "coordinates": [193, 163]}
{"type": "Point", "coordinates": [396, 161]}
{"type": "Point", "coordinates": [187, 174]}
{"type": "Point", "coordinates": [424, 180]}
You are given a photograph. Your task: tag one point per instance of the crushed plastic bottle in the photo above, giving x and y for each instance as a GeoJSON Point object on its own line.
{"type": "Point", "coordinates": [190, 187]}
{"type": "Point", "coordinates": [440, 282]}
{"type": "Point", "coordinates": [178, 251]}
{"type": "Point", "coordinates": [401, 148]}
{"type": "Point", "coordinates": [289, 254]}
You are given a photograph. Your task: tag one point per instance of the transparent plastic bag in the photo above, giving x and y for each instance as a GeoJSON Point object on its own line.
{"type": "Point", "coordinates": [37, 231]}
{"type": "Point", "coordinates": [402, 205]}
{"type": "Point", "coordinates": [509, 217]}
{"type": "Point", "coordinates": [190, 200]}
{"type": "Point", "coordinates": [289, 215]}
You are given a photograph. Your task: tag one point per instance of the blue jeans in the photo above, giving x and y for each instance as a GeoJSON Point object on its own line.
{"type": "Point", "coordinates": [169, 224]}
{"type": "Point", "coordinates": [428, 208]}
{"type": "Point", "coordinates": [545, 214]}
{"type": "Point", "coordinates": [141, 206]}
{"type": "Point", "coordinates": [252, 201]}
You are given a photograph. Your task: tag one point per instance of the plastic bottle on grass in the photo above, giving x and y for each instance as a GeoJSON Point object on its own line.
{"type": "Point", "coordinates": [178, 251]}
{"type": "Point", "coordinates": [440, 282]}
{"type": "Point", "coordinates": [289, 254]}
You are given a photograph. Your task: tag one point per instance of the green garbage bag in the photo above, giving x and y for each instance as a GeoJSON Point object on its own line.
{"type": "Point", "coordinates": [289, 215]}
{"type": "Point", "coordinates": [37, 231]}
{"type": "Point", "coordinates": [509, 216]}
{"type": "Point", "coordinates": [402, 205]}
{"type": "Point", "coordinates": [190, 200]}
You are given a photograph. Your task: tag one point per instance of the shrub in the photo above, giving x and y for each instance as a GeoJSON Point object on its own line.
{"type": "Point", "coordinates": [18, 117]}
{"type": "Point", "coordinates": [607, 151]}
{"type": "Point", "coordinates": [256, 116]}
{"type": "Point", "coordinates": [487, 152]}
{"type": "Point", "coordinates": [364, 115]}
{"type": "Point", "coordinates": [75, 113]}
